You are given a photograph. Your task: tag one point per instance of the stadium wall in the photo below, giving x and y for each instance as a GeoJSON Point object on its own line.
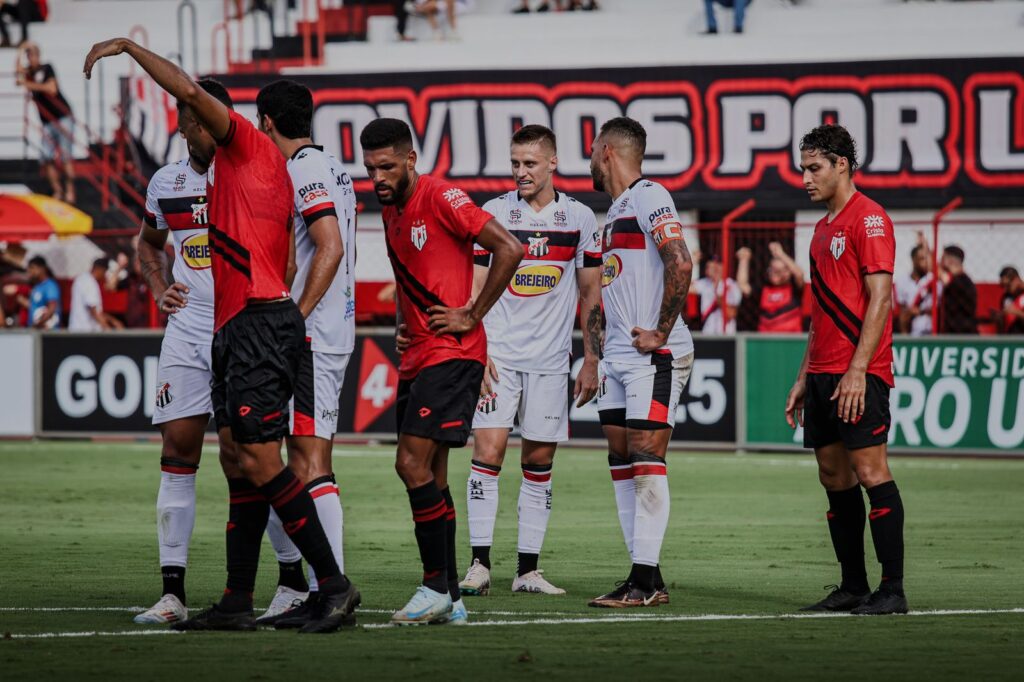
{"type": "Point", "coordinates": [18, 394]}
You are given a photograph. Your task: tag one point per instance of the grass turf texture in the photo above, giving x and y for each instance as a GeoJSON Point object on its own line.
{"type": "Point", "coordinates": [747, 537]}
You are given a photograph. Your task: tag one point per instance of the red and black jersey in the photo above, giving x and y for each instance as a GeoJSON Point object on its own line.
{"type": "Point", "coordinates": [859, 241]}
{"type": "Point", "coordinates": [250, 218]}
{"type": "Point", "coordinates": [780, 309]}
{"type": "Point", "coordinates": [430, 244]}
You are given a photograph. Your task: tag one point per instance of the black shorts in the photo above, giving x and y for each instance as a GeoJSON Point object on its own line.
{"type": "Point", "coordinates": [822, 425]}
{"type": "Point", "coordinates": [439, 402]}
{"type": "Point", "coordinates": [255, 359]}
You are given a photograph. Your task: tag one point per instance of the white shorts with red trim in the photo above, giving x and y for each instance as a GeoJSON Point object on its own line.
{"type": "Point", "coordinates": [648, 393]}
{"type": "Point", "coordinates": [541, 401]}
{"type": "Point", "coordinates": [314, 407]}
{"type": "Point", "coordinates": [183, 376]}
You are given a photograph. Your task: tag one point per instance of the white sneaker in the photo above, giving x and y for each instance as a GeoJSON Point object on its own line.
{"type": "Point", "coordinates": [426, 606]}
{"type": "Point", "coordinates": [534, 582]}
{"type": "Point", "coordinates": [478, 580]}
{"type": "Point", "coordinates": [285, 599]}
{"type": "Point", "coordinates": [459, 614]}
{"type": "Point", "coordinates": [168, 610]}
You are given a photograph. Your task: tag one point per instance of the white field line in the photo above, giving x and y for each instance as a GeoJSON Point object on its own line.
{"type": "Point", "coordinates": [95, 633]}
{"type": "Point", "coordinates": [140, 609]}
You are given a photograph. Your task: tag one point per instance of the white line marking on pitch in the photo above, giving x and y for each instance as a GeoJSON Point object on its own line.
{"type": "Point", "coordinates": [140, 609]}
{"type": "Point", "coordinates": [95, 633]}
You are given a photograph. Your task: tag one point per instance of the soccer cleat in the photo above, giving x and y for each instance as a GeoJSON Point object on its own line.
{"type": "Point", "coordinates": [329, 612]}
{"type": "Point", "coordinates": [662, 594]}
{"type": "Point", "coordinates": [838, 600]}
{"type": "Point", "coordinates": [621, 588]}
{"type": "Point", "coordinates": [458, 615]}
{"type": "Point", "coordinates": [425, 606]}
{"type": "Point", "coordinates": [168, 610]}
{"type": "Point", "coordinates": [627, 595]}
{"type": "Point", "coordinates": [297, 617]}
{"type": "Point", "coordinates": [215, 619]}
{"type": "Point", "coordinates": [535, 583]}
{"type": "Point", "coordinates": [882, 603]}
{"type": "Point", "coordinates": [284, 602]}
{"type": "Point", "coordinates": [478, 580]}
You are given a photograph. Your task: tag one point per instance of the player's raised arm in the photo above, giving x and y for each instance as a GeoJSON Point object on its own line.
{"type": "Point", "coordinates": [210, 111]}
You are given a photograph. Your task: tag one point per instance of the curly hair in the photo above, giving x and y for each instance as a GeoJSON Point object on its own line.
{"type": "Point", "coordinates": [833, 142]}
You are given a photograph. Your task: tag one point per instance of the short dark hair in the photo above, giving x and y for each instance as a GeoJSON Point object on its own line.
{"type": "Point", "coordinates": [38, 260]}
{"type": "Point", "coordinates": [214, 88]}
{"type": "Point", "coordinates": [289, 105]}
{"type": "Point", "coordinates": [386, 132]}
{"type": "Point", "coordinates": [832, 141]}
{"type": "Point", "coordinates": [101, 263]}
{"type": "Point", "coordinates": [954, 251]}
{"type": "Point", "coordinates": [914, 251]}
{"type": "Point", "coordinates": [533, 133]}
{"type": "Point", "coordinates": [627, 130]}
{"type": "Point", "coordinates": [1009, 271]}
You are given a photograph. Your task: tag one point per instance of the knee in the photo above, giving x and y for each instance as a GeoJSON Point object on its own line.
{"type": "Point", "coordinates": [836, 478]}
{"type": "Point", "coordinates": [872, 474]}
{"type": "Point", "coordinates": [412, 471]}
{"type": "Point", "coordinates": [538, 457]}
{"type": "Point", "coordinates": [179, 451]}
{"type": "Point", "coordinates": [488, 454]}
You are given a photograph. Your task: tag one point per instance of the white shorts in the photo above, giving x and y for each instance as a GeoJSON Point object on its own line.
{"type": "Point", "coordinates": [540, 400]}
{"type": "Point", "coordinates": [314, 407]}
{"type": "Point", "coordinates": [183, 377]}
{"type": "Point", "coordinates": [642, 396]}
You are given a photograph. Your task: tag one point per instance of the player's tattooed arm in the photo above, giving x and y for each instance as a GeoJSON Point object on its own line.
{"type": "Point", "coordinates": [676, 277]}
{"type": "Point", "coordinates": [170, 297]}
{"type": "Point", "coordinates": [589, 282]}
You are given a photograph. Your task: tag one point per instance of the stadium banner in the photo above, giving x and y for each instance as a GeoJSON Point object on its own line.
{"type": "Point", "coordinates": [954, 394]}
{"type": "Point", "coordinates": [106, 384]}
{"type": "Point", "coordinates": [18, 397]}
{"type": "Point", "coordinates": [928, 130]}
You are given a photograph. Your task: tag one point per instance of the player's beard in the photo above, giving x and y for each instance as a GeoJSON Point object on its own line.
{"type": "Point", "coordinates": [597, 177]}
{"type": "Point", "coordinates": [397, 191]}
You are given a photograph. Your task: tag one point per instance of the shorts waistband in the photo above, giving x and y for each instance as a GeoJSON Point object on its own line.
{"type": "Point", "coordinates": [260, 307]}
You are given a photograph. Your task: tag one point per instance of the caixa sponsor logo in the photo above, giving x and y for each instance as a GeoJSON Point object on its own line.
{"type": "Point", "coordinates": [118, 386]}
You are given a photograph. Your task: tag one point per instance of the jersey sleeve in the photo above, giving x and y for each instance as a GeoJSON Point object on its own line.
{"type": "Point", "coordinates": [312, 192]}
{"type": "Point", "coordinates": [459, 215]}
{"type": "Point", "coordinates": [588, 251]}
{"type": "Point", "coordinates": [51, 292]}
{"type": "Point", "coordinates": [152, 215]}
{"type": "Point", "coordinates": [240, 140]}
{"type": "Point", "coordinates": [875, 242]}
{"type": "Point", "coordinates": [656, 213]}
{"type": "Point", "coordinates": [482, 256]}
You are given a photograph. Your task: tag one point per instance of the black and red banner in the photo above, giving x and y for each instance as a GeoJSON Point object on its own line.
{"type": "Point", "coordinates": [927, 130]}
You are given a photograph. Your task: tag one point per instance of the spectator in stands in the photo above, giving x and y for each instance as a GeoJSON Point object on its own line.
{"type": "Point", "coordinates": [780, 301]}
{"type": "Point", "coordinates": [739, 8]}
{"type": "Point", "coordinates": [959, 303]}
{"type": "Point", "coordinates": [87, 301]}
{"type": "Point", "coordinates": [430, 9]}
{"type": "Point", "coordinates": [44, 300]}
{"type": "Point", "coordinates": [560, 5]}
{"type": "Point", "coordinates": [710, 288]}
{"type": "Point", "coordinates": [139, 299]}
{"type": "Point", "coordinates": [1013, 301]}
{"type": "Point", "coordinates": [55, 114]}
{"type": "Point", "coordinates": [914, 292]}
{"type": "Point", "coordinates": [23, 12]}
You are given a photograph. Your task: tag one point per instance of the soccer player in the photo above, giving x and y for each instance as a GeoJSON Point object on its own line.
{"type": "Point", "coordinates": [430, 227]}
{"type": "Point", "coordinates": [648, 351]}
{"type": "Point", "coordinates": [176, 205]}
{"type": "Point", "coordinates": [324, 290]}
{"type": "Point", "coordinates": [529, 347]}
{"type": "Point", "coordinates": [258, 338]}
{"type": "Point", "coordinates": [841, 394]}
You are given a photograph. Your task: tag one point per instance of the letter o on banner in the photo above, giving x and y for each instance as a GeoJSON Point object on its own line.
{"type": "Point", "coordinates": [947, 436]}
{"type": "Point", "coordinates": [125, 406]}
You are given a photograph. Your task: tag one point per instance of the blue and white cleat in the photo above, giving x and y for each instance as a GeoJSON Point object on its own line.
{"type": "Point", "coordinates": [459, 615]}
{"type": "Point", "coordinates": [426, 606]}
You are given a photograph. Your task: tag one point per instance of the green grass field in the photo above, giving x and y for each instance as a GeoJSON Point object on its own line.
{"type": "Point", "coordinates": [747, 537]}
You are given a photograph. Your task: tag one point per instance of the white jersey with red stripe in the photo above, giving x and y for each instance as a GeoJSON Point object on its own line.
{"type": "Point", "coordinates": [916, 293]}
{"type": "Point", "coordinates": [711, 304]}
{"type": "Point", "coordinates": [176, 201]}
{"type": "Point", "coordinates": [639, 222]}
{"type": "Point", "coordinates": [324, 188]}
{"type": "Point", "coordinates": [529, 329]}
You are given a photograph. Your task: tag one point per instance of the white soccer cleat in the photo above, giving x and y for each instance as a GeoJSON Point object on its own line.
{"type": "Point", "coordinates": [459, 614]}
{"type": "Point", "coordinates": [426, 606]}
{"type": "Point", "coordinates": [478, 580]}
{"type": "Point", "coordinates": [535, 583]}
{"type": "Point", "coordinates": [168, 610]}
{"type": "Point", "coordinates": [285, 599]}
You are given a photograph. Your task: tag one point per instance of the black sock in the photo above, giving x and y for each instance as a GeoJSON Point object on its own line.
{"type": "Point", "coordinates": [846, 526]}
{"type": "Point", "coordinates": [483, 554]}
{"type": "Point", "coordinates": [291, 575]}
{"type": "Point", "coordinates": [451, 565]}
{"type": "Point", "coordinates": [247, 520]}
{"type": "Point", "coordinates": [298, 516]}
{"type": "Point", "coordinates": [527, 563]}
{"type": "Point", "coordinates": [174, 581]}
{"type": "Point", "coordinates": [643, 577]}
{"type": "Point", "coordinates": [428, 513]}
{"type": "Point", "coordinates": [659, 582]}
{"type": "Point", "coordinates": [887, 532]}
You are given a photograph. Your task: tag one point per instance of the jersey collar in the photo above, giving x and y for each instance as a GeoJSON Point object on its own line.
{"type": "Point", "coordinates": [306, 146]}
{"type": "Point", "coordinates": [853, 199]}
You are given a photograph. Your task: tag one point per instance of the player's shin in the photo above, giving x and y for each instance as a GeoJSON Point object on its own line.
{"type": "Point", "coordinates": [247, 518]}
{"type": "Point", "coordinates": [289, 558]}
{"type": "Point", "coordinates": [451, 562]}
{"type": "Point", "coordinates": [650, 477]}
{"type": "Point", "coordinates": [324, 492]}
{"type": "Point", "coordinates": [625, 496]}
{"type": "Point", "coordinates": [482, 508]}
{"type": "Point", "coordinates": [176, 516]}
{"type": "Point", "coordinates": [886, 518]}
{"type": "Point", "coordinates": [429, 510]}
{"type": "Point", "coordinates": [534, 511]}
{"type": "Point", "coordinates": [846, 519]}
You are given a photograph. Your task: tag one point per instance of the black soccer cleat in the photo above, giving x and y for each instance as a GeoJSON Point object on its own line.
{"type": "Point", "coordinates": [214, 618]}
{"type": "Point", "coordinates": [838, 601]}
{"type": "Point", "coordinates": [616, 595]}
{"type": "Point", "coordinates": [882, 603]}
{"type": "Point", "coordinates": [332, 611]}
{"type": "Point", "coordinates": [297, 617]}
{"type": "Point", "coordinates": [297, 610]}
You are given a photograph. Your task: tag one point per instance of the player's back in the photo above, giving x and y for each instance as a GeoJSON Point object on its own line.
{"type": "Point", "coordinates": [324, 188]}
{"type": "Point", "coordinates": [632, 278]}
{"type": "Point", "coordinates": [176, 201]}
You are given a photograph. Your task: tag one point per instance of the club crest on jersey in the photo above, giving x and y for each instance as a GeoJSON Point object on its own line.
{"type": "Point", "coordinates": [515, 216]}
{"type": "Point", "coordinates": [838, 245]}
{"type": "Point", "coordinates": [538, 247]}
{"type": "Point", "coordinates": [418, 234]}
{"type": "Point", "coordinates": [487, 404]}
{"type": "Point", "coordinates": [199, 211]}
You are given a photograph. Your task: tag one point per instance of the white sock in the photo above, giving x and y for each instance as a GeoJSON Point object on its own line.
{"type": "Point", "coordinates": [625, 497]}
{"type": "Point", "coordinates": [324, 492]}
{"type": "Point", "coordinates": [175, 516]}
{"type": "Point", "coordinates": [534, 507]}
{"type": "Point", "coordinates": [482, 503]}
{"type": "Point", "coordinates": [284, 548]}
{"type": "Point", "coordinates": [652, 508]}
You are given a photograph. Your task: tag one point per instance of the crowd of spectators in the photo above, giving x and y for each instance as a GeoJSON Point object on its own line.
{"type": "Point", "coordinates": [23, 13]}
